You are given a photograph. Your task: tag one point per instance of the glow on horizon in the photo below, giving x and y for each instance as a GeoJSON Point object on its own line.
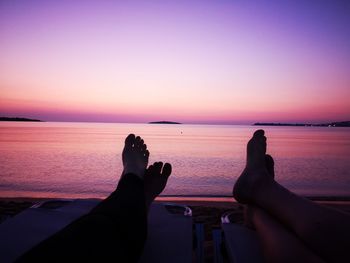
{"type": "Point", "coordinates": [187, 61]}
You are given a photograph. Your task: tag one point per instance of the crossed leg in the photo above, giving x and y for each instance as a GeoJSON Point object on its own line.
{"type": "Point", "coordinates": [320, 230]}
{"type": "Point", "coordinates": [278, 243]}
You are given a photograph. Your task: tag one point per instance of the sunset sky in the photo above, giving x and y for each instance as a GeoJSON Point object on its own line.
{"type": "Point", "coordinates": [227, 62]}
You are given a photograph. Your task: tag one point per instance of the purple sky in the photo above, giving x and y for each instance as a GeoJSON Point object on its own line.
{"type": "Point", "coordinates": [187, 61]}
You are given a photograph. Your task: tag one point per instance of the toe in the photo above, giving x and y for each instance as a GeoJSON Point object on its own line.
{"type": "Point", "coordinates": [256, 150]}
{"type": "Point", "coordinates": [130, 140]}
{"type": "Point", "coordinates": [147, 154]}
{"type": "Point", "coordinates": [166, 170]}
{"type": "Point", "coordinates": [143, 147]}
{"type": "Point", "coordinates": [259, 133]}
{"type": "Point", "coordinates": [260, 138]}
{"type": "Point", "coordinates": [138, 141]}
{"type": "Point", "coordinates": [270, 165]}
{"type": "Point", "coordinates": [150, 169]}
{"type": "Point", "coordinates": [261, 145]}
{"type": "Point", "coordinates": [158, 167]}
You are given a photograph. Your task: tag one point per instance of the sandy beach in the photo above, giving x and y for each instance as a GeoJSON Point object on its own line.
{"type": "Point", "coordinates": [206, 211]}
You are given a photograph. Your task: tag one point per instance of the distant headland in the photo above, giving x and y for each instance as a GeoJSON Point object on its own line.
{"type": "Point", "coordinates": [164, 122]}
{"type": "Point", "coordinates": [17, 119]}
{"type": "Point", "coordinates": [330, 124]}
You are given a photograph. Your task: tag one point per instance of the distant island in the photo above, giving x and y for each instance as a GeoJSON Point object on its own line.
{"type": "Point", "coordinates": [330, 124]}
{"type": "Point", "coordinates": [17, 119]}
{"type": "Point", "coordinates": [164, 122]}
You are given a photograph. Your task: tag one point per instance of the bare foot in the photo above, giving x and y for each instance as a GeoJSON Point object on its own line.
{"type": "Point", "coordinates": [249, 209]}
{"type": "Point", "coordinates": [155, 180]}
{"type": "Point", "coordinates": [258, 171]}
{"type": "Point", "coordinates": [135, 156]}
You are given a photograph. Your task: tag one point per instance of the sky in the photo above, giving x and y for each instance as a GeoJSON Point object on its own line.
{"type": "Point", "coordinates": [216, 62]}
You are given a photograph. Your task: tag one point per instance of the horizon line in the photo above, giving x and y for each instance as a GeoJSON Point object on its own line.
{"type": "Point", "coordinates": [191, 123]}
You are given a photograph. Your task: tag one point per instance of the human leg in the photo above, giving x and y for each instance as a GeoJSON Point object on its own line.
{"type": "Point", "coordinates": [116, 229]}
{"type": "Point", "coordinates": [279, 244]}
{"type": "Point", "coordinates": [324, 230]}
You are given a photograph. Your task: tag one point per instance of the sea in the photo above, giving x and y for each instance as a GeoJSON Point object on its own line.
{"type": "Point", "coordinates": [83, 160]}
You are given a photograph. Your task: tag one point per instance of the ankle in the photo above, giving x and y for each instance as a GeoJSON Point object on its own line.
{"type": "Point", "coordinates": [133, 170]}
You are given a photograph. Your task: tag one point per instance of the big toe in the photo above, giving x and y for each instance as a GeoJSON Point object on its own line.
{"type": "Point", "coordinates": [259, 133]}
{"type": "Point", "coordinates": [256, 150]}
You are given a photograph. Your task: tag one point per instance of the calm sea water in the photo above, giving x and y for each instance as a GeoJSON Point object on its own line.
{"type": "Point", "coordinates": [84, 159]}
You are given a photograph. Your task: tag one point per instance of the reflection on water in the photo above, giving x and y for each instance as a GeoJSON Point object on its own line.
{"type": "Point", "coordinates": [84, 159]}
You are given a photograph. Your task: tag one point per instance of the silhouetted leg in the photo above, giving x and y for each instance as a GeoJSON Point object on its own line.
{"type": "Point", "coordinates": [113, 231]}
